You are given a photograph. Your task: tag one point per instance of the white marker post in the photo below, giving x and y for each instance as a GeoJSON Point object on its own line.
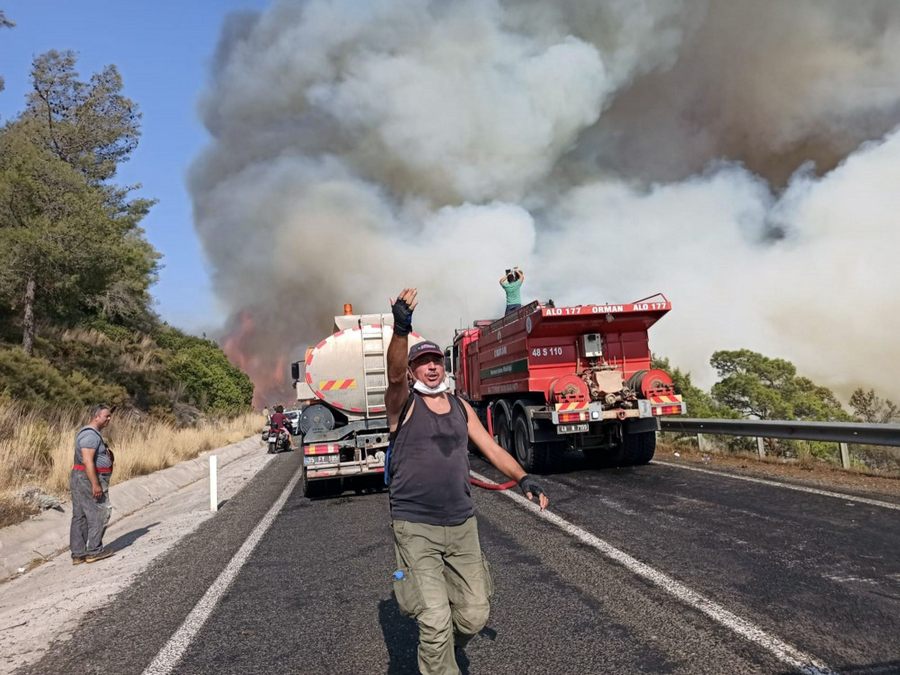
{"type": "Point", "coordinates": [213, 483]}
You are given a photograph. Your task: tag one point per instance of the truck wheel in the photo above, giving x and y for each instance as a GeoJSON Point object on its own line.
{"type": "Point", "coordinates": [639, 448]}
{"type": "Point", "coordinates": [533, 457]}
{"type": "Point", "coordinates": [314, 489]}
{"type": "Point", "coordinates": [501, 426]}
{"type": "Point", "coordinates": [305, 484]}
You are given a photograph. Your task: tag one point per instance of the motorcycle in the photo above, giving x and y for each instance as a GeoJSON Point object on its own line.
{"type": "Point", "coordinates": [279, 440]}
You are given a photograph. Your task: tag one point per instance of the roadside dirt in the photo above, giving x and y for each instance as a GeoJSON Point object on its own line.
{"type": "Point", "coordinates": [815, 474]}
{"type": "Point", "coordinates": [47, 602]}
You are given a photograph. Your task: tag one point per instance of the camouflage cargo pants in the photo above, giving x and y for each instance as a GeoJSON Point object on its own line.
{"type": "Point", "coordinates": [445, 585]}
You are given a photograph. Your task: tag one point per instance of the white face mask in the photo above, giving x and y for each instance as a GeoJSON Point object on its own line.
{"type": "Point", "coordinates": [423, 388]}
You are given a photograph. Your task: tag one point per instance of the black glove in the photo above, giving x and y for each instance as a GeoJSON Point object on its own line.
{"type": "Point", "coordinates": [402, 318]}
{"type": "Point", "coordinates": [528, 484]}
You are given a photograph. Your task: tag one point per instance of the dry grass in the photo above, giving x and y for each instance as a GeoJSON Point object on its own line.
{"type": "Point", "coordinates": [36, 448]}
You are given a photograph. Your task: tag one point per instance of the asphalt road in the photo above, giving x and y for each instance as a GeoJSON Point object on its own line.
{"type": "Point", "coordinates": [818, 574]}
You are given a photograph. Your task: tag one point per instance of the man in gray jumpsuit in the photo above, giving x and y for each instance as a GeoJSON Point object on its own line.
{"type": "Point", "coordinates": [442, 578]}
{"type": "Point", "coordinates": [89, 484]}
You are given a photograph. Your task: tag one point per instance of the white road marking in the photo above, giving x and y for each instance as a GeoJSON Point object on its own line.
{"type": "Point", "coordinates": [784, 652]}
{"type": "Point", "coordinates": [786, 486]}
{"type": "Point", "coordinates": [849, 578]}
{"type": "Point", "coordinates": [174, 649]}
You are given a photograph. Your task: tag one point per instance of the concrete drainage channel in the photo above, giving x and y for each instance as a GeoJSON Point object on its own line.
{"type": "Point", "coordinates": [47, 535]}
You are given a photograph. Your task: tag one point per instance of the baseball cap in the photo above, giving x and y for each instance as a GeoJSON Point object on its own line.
{"type": "Point", "coordinates": [424, 347]}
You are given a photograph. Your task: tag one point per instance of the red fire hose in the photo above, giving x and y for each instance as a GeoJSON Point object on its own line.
{"type": "Point", "coordinates": [481, 483]}
{"type": "Point", "coordinates": [492, 486]}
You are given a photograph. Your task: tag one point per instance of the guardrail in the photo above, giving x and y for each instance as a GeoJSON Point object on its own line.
{"type": "Point", "coordinates": [842, 433]}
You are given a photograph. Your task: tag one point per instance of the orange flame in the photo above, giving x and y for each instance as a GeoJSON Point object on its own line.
{"type": "Point", "coordinates": [248, 349]}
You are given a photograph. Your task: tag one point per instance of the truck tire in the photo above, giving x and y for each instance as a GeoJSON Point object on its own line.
{"type": "Point", "coordinates": [504, 435]}
{"type": "Point", "coordinates": [534, 457]}
{"type": "Point", "coordinates": [305, 484]}
{"type": "Point", "coordinates": [639, 448]}
{"type": "Point", "coordinates": [314, 489]}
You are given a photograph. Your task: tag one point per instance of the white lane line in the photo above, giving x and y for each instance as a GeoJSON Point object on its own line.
{"type": "Point", "coordinates": [781, 650]}
{"type": "Point", "coordinates": [786, 486]}
{"type": "Point", "coordinates": [172, 651]}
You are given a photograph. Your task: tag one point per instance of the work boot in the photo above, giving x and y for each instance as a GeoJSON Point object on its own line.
{"type": "Point", "coordinates": [105, 553]}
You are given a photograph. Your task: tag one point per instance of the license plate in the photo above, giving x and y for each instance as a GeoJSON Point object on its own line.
{"type": "Point", "coordinates": [311, 460]}
{"type": "Point", "coordinates": [272, 439]}
{"type": "Point", "coordinates": [572, 428]}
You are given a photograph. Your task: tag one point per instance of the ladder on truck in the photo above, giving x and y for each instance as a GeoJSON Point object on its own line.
{"type": "Point", "coordinates": [374, 354]}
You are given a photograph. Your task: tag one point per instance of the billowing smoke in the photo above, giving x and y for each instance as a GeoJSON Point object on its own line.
{"type": "Point", "coordinates": [741, 157]}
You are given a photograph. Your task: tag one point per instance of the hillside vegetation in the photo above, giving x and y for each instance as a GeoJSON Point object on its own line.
{"type": "Point", "coordinates": [754, 386]}
{"type": "Point", "coordinates": [77, 324]}
{"type": "Point", "coordinates": [76, 319]}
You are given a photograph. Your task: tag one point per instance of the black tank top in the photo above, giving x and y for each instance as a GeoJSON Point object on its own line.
{"type": "Point", "coordinates": [430, 467]}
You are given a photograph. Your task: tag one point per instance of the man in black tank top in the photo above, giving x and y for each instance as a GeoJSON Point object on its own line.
{"type": "Point", "coordinates": [442, 577]}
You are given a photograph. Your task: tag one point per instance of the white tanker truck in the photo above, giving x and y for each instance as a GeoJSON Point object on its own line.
{"type": "Point", "coordinates": [344, 427]}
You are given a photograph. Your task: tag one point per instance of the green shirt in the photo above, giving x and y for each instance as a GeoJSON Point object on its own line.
{"type": "Point", "coordinates": [513, 291]}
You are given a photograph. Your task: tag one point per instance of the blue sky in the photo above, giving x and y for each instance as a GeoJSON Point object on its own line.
{"type": "Point", "coordinates": [162, 50]}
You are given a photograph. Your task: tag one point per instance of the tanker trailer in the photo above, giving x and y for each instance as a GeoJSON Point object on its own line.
{"type": "Point", "coordinates": [344, 426]}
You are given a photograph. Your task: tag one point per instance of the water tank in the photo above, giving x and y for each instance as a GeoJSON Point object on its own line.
{"type": "Point", "coordinates": [348, 369]}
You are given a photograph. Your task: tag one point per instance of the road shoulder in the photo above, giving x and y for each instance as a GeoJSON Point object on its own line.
{"type": "Point", "coordinates": [48, 603]}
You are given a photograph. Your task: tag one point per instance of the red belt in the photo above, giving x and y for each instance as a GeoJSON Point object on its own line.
{"type": "Point", "coordinates": [80, 467]}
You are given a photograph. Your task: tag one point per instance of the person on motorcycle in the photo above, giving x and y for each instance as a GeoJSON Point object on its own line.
{"type": "Point", "coordinates": [282, 423]}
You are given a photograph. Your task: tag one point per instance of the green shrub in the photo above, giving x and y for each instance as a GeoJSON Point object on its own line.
{"type": "Point", "coordinates": [210, 381]}
{"type": "Point", "coordinates": [33, 380]}
{"type": "Point", "coordinates": [168, 372]}
{"type": "Point", "coordinates": [36, 381]}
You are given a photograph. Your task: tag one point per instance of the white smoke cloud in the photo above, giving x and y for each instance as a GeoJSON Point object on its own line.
{"type": "Point", "coordinates": [697, 241]}
{"type": "Point", "coordinates": [611, 149]}
{"type": "Point", "coordinates": [833, 284]}
{"type": "Point", "coordinates": [825, 296]}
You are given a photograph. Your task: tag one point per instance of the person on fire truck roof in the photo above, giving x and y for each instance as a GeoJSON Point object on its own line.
{"type": "Point", "coordinates": [512, 281]}
{"type": "Point", "coordinates": [441, 578]}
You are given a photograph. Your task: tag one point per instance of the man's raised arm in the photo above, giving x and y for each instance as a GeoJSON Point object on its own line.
{"type": "Point", "coordinates": [398, 349]}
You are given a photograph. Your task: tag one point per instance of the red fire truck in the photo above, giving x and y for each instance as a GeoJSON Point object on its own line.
{"type": "Point", "coordinates": [546, 379]}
